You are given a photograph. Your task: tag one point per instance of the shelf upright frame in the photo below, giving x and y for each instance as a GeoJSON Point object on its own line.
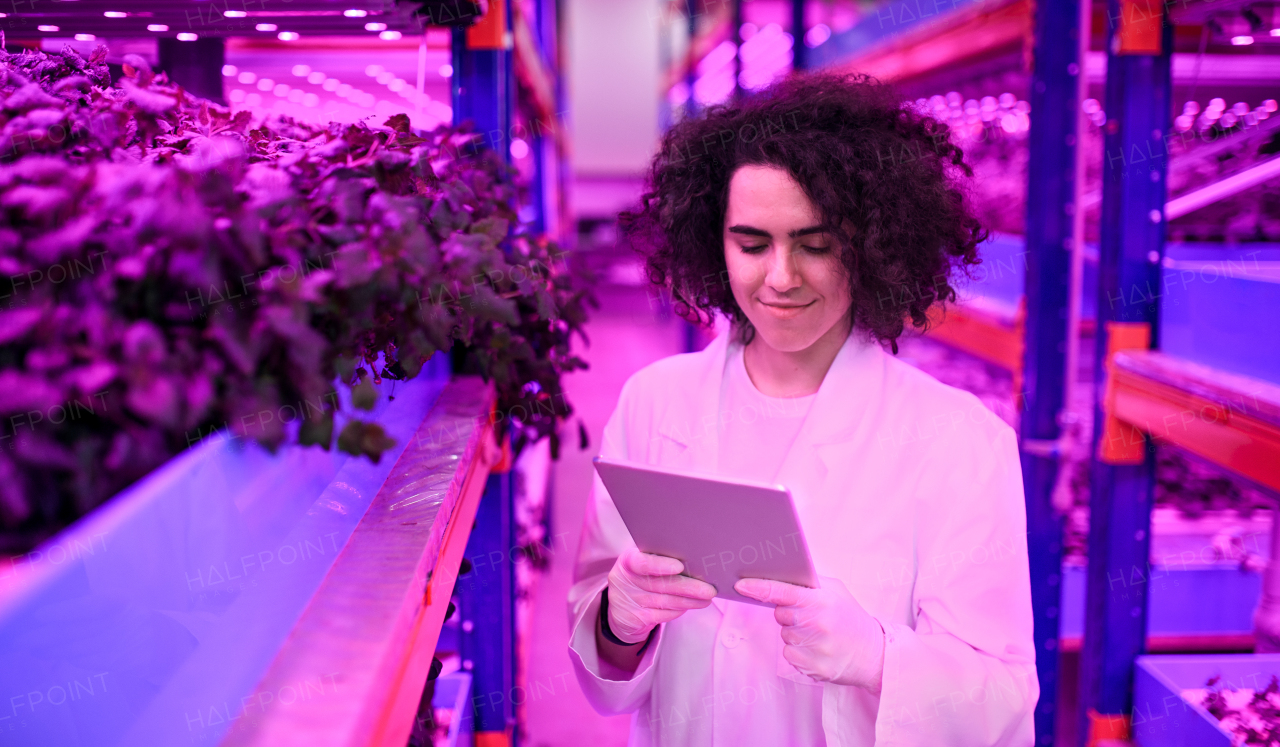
{"type": "Point", "coordinates": [483, 92]}
{"type": "Point", "coordinates": [487, 596]}
{"type": "Point", "coordinates": [799, 58]}
{"type": "Point", "coordinates": [1132, 234]}
{"type": "Point", "coordinates": [545, 193]}
{"type": "Point", "coordinates": [482, 87]}
{"type": "Point", "coordinates": [1051, 172]}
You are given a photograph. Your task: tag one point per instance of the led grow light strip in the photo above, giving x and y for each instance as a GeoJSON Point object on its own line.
{"type": "Point", "coordinates": [1220, 190]}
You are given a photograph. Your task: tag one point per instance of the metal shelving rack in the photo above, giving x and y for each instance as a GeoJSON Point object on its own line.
{"type": "Point", "coordinates": [511, 44]}
{"type": "Point", "coordinates": [1135, 391]}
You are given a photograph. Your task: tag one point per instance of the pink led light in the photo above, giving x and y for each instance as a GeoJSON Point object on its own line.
{"type": "Point", "coordinates": [187, 36]}
{"type": "Point", "coordinates": [157, 28]}
{"type": "Point", "coordinates": [817, 36]}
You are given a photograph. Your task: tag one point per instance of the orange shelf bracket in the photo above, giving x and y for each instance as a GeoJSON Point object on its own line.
{"type": "Point", "coordinates": [1121, 442]}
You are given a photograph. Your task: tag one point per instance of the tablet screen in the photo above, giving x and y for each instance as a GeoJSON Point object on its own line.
{"type": "Point", "coordinates": [722, 530]}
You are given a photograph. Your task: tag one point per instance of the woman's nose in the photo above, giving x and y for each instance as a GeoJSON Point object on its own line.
{"type": "Point", "coordinates": [783, 275]}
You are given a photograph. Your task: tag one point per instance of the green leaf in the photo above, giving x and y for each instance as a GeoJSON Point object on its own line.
{"type": "Point", "coordinates": [351, 439]}
{"type": "Point", "coordinates": [364, 439]}
{"type": "Point", "coordinates": [485, 304]}
{"type": "Point", "coordinates": [317, 431]}
{"type": "Point", "coordinates": [345, 367]}
{"type": "Point", "coordinates": [494, 228]}
{"type": "Point", "coordinates": [398, 122]}
{"type": "Point", "coordinates": [363, 395]}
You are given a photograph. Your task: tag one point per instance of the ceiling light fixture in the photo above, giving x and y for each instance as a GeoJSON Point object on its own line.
{"type": "Point", "coordinates": [157, 27]}
{"type": "Point", "coordinates": [288, 36]}
{"type": "Point", "coordinates": [355, 13]}
{"type": "Point", "coordinates": [266, 27]}
{"type": "Point", "coordinates": [187, 36]}
{"type": "Point", "coordinates": [115, 14]}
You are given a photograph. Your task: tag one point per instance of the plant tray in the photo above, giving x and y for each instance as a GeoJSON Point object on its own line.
{"type": "Point", "coordinates": [1162, 717]}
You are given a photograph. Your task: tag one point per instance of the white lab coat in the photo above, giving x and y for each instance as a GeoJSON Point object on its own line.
{"type": "Point", "coordinates": [910, 492]}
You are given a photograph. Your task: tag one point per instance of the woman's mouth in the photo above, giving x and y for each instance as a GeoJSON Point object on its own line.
{"type": "Point", "coordinates": [786, 310]}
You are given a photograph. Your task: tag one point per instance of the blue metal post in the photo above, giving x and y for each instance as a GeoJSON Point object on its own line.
{"type": "Point", "coordinates": [691, 72]}
{"type": "Point", "coordinates": [799, 60]}
{"type": "Point", "coordinates": [542, 148]}
{"type": "Point", "coordinates": [487, 611]}
{"type": "Point", "coordinates": [689, 332]}
{"type": "Point", "coordinates": [482, 88]}
{"type": "Point", "coordinates": [1132, 244]}
{"type": "Point", "coordinates": [483, 93]}
{"type": "Point", "coordinates": [1050, 207]}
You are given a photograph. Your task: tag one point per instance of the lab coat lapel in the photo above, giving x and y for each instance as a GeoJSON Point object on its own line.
{"type": "Point", "coordinates": [688, 432]}
{"type": "Point", "coordinates": [838, 418]}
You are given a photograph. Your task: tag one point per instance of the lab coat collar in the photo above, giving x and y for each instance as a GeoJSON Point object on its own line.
{"type": "Point", "coordinates": [835, 417]}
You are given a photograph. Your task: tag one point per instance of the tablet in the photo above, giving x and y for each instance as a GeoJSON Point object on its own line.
{"type": "Point", "coordinates": [722, 530]}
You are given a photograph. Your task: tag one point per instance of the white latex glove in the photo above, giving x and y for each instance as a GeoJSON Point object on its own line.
{"type": "Point", "coordinates": [828, 635]}
{"type": "Point", "coordinates": [645, 590]}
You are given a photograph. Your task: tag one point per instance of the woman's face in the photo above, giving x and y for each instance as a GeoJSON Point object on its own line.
{"type": "Point", "coordinates": [784, 269]}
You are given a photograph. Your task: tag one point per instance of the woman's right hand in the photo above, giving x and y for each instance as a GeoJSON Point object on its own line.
{"type": "Point", "coordinates": [645, 590]}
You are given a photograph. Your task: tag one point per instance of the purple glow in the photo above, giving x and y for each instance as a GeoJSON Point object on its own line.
{"type": "Point", "coordinates": [765, 56]}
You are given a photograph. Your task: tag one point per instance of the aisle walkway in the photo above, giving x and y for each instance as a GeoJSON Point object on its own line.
{"type": "Point", "coordinates": [626, 335]}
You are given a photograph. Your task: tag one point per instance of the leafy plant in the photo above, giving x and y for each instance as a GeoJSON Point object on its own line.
{"type": "Point", "coordinates": [168, 270]}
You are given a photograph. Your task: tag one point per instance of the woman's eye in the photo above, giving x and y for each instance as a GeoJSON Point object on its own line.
{"type": "Point", "coordinates": [754, 249]}
{"type": "Point", "coordinates": [817, 249]}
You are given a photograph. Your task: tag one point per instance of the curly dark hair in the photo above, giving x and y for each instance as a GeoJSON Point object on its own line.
{"type": "Point", "coordinates": [884, 176]}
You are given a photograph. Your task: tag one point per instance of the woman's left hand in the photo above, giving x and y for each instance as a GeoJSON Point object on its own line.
{"type": "Point", "coordinates": [828, 635]}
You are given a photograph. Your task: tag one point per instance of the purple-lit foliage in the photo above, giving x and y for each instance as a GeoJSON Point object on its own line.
{"type": "Point", "coordinates": [172, 270]}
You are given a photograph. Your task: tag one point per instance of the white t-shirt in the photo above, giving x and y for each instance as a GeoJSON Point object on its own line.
{"type": "Point", "coordinates": [756, 431]}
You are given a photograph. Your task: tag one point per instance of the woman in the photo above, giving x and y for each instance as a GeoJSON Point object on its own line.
{"type": "Point", "coordinates": [818, 216]}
